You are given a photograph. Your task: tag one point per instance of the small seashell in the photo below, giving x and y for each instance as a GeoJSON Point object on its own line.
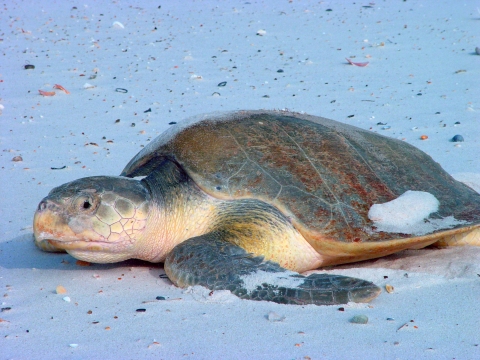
{"type": "Point", "coordinates": [359, 319]}
{"type": "Point", "coordinates": [386, 127]}
{"type": "Point", "coordinates": [118, 25]}
{"type": "Point", "coordinates": [66, 298]}
{"type": "Point", "coordinates": [46, 93]}
{"type": "Point", "coordinates": [389, 288]}
{"type": "Point", "coordinates": [17, 158]}
{"type": "Point", "coordinates": [360, 64]}
{"type": "Point", "coordinates": [88, 86]}
{"type": "Point", "coordinates": [73, 345]}
{"type": "Point", "coordinates": [458, 138]}
{"type": "Point", "coordinates": [29, 67]}
{"type": "Point", "coordinates": [423, 137]}
{"type": "Point", "coordinates": [223, 83]}
{"type": "Point", "coordinates": [261, 32]}
{"type": "Point", "coordinates": [60, 290]}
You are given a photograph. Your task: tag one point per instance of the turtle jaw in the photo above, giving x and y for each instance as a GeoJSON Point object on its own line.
{"type": "Point", "coordinates": [53, 233]}
{"type": "Point", "coordinates": [49, 227]}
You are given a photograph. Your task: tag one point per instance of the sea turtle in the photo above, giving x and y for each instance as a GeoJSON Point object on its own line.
{"type": "Point", "coordinates": [245, 201]}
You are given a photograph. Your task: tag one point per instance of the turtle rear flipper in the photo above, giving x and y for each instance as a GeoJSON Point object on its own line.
{"type": "Point", "coordinates": [217, 264]}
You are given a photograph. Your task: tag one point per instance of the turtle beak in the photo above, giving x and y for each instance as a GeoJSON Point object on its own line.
{"type": "Point", "coordinates": [48, 225]}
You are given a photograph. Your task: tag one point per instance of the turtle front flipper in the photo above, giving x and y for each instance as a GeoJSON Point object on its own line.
{"type": "Point", "coordinates": [210, 261]}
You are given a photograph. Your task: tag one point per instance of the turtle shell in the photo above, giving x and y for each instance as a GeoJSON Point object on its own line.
{"type": "Point", "coordinates": [322, 174]}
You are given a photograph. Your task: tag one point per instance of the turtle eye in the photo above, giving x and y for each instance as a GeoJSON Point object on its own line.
{"type": "Point", "coordinates": [85, 203]}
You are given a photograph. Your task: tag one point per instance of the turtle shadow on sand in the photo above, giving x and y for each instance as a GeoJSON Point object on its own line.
{"type": "Point", "coordinates": [452, 262]}
{"type": "Point", "coordinates": [20, 253]}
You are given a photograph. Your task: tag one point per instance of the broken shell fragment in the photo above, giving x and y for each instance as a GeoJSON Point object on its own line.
{"type": "Point", "coordinates": [60, 290]}
{"type": "Point", "coordinates": [389, 288]}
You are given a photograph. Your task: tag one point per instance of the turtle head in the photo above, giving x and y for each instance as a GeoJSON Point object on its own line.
{"type": "Point", "coordinates": [96, 219]}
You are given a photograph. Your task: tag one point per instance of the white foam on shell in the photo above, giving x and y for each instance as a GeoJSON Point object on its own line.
{"type": "Point", "coordinates": [409, 214]}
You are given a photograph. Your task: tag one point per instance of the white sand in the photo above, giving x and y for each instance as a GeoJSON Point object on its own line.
{"type": "Point", "coordinates": [421, 62]}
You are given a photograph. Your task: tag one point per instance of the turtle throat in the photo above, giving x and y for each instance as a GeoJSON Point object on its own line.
{"type": "Point", "coordinates": [179, 210]}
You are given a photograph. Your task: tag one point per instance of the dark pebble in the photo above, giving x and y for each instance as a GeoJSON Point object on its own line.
{"type": "Point", "coordinates": [279, 71]}
{"type": "Point", "coordinates": [133, 125]}
{"type": "Point", "coordinates": [458, 138]}
{"type": "Point", "coordinates": [141, 310]}
{"type": "Point", "coordinates": [6, 309]}
{"type": "Point", "coordinates": [350, 116]}
{"type": "Point", "coordinates": [148, 110]}
{"type": "Point", "coordinates": [457, 122]}
{"type": "Point", "coordinates": [172, 123]}
{"type": "Point", "coordinates": [266, 96]}
{"type": "Point", "coordinates": [419, 94]}
{"type": "Point", "coordinates": [359, 319]}
{"type": "Point", "coordinates": [341, 309]}
{"type": "Point", "coordinates": [60, 168]}
{"type": "Point", "coordinates": [121, 90]}
{"type": "Point", "coordinates": [117, 121]}
{"type": "Point", "coordinates": [160, 298]}
{"type": "Point", "coordinates": [329, 10]}
{"type": "Point", "coordinates": [29, 67]}
{"type": "Point", "coordinates": [223, 83]}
